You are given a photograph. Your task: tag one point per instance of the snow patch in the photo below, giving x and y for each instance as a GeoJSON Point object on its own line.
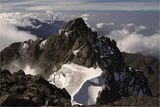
{"type": "Point", "coordinates": [67, 33]}
{"type": "Point", "coordinates": [82, 83]}
{"type": "Point", "coordinates": [85, 16]}
{"type": "Point", "coordinates": [76, 51]}
{"type": "Point", "coordinates": [60, 31]}
{"type": "Point", "coordinates": [100, 25]}
{"type": "Point", "coordinates": [42, 44]}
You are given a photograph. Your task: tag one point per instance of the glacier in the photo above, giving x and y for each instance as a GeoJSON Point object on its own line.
{"type": "Point", "coordinates": [82, 83]}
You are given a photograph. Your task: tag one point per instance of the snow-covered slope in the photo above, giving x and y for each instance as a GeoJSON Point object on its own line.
{"type": "Point", "coordinates": [82, 83]}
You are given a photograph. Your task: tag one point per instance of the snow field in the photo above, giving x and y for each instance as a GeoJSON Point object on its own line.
{"type": "Point", "coordinates": [82, 83]}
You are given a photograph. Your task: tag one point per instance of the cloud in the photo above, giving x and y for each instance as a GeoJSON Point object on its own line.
{"type": "Point", "coordinates": [41, 5]}
{"type": "Point", "coordinates": [140, 28]}
{"type": "Point", "coordinates": [100, 25]}
{"type": "Point", "coordinates": [17, 65]}
{"type": "Point", "coordinates": [23, 19]}
{"type": "Point", "coordinates": [128, 25]}
{"type": "Point", "coordinates": [134, 42]}
{"type": "Point", "coordinates": [10, 20]}
{"type": "Point", "coordinates": [85, 16]}
{"type": "Point", "coordinates": [9, 34]}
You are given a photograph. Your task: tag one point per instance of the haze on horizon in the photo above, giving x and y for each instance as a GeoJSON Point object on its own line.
{"type": "Point", "coordinates": [42, 5]}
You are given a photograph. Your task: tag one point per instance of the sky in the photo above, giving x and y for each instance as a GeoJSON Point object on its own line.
{"type": "Point", "coordinates": [43, 5]}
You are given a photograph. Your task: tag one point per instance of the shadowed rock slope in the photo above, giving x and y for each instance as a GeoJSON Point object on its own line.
{"type": "Point", "coordinates": [149, 65]}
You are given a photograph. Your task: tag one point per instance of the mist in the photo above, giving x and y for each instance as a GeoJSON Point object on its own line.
{"type": "Point", "coordinates": [9, 34]}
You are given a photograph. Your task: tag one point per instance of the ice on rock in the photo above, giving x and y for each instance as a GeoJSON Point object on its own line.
{"type": "Point", "coordinates": [76, 51]}
{"type": "Point", "coordinates": [60, 31]}
{"type": "Point", "coordinates": [42, 44]}
{"type": "Point", "coordinates": [67, 33]}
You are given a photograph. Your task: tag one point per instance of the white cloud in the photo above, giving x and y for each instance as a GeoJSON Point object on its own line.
{"type": "Point", "coordinates": [100, 25]}
{"type": "Point", "coordinates": [23, 19]}
{"type": "Point", "coordinates": [128, 25]}
{"type": "Point", "coordinates": [140, 28]}
{"type": "Point", "coordinates": [76, 5]}
{"type": "Point", "coordinates": [81, 5]}
{"type": "Point", "coordinates": [85, 16]}
{"type": "Point", "coordinates": [9, 34]}
{"type": "Point", "coordinates": [133, 42]}
{"type": "Point", "coordinates": [111, 23]}
{"type": "Point", "coordinates": [10, 20]}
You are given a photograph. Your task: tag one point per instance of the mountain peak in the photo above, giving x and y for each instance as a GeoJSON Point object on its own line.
{"type": "Point", "coordinates": [77, 23]}
{"type": "Point", "coordinates": [77, 28]}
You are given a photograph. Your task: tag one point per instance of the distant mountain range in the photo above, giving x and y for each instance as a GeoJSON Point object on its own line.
{"type": "Point", "coordinates": [92, 69]}
{"type": "Point", "coordinates": [42, 29]}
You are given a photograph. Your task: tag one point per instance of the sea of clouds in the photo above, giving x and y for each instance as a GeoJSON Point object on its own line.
{"type": "Point", "coordinates": [135, 42]}
{"type": "Point", "coordinates": [10, 20]}
{"type": "Point", "coordinates": [131, 41]}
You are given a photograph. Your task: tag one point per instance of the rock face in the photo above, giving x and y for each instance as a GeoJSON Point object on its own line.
{"type": "Point", "coordinates": [122, 81]}
{"type": "Point", "coordinates": [149, 65]}
{"type": "Point", "coordinates": [136, 101]}
{"type": "Point", "coordinates": [18, 89]}
{"type": "Point", "coordinates": [76, 43]}
{"type": "Point", "coordinates": [57, 50]}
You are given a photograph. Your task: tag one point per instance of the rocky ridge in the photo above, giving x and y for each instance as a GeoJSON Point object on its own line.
{"type": "Point", "coordinates": [18, 89]}
{"type": "Point", "coordinates": [76, 43]}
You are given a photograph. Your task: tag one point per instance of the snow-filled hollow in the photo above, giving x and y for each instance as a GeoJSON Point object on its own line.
{"type": "Point", "coordinates": [82, 83]}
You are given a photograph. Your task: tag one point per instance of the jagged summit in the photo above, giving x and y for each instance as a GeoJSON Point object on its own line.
{"type": "Point", "coordinates": [70, 58]}
{"type": "Point", "coordinates": [76, 24]}
{"type": "Point", "coordinates": [77, 28]}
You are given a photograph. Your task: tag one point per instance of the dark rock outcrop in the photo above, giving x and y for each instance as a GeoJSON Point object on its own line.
{"type": "Point", "coordinates": [149, 65]}
{"type": "Point", "coordinates": [18, 89]}
{"type": "Point", "coordinates": [136, 101]}
{"type": "Point", "coordinates": [122, 81]}
{"type": "Point", "coordinates": [9, 54]}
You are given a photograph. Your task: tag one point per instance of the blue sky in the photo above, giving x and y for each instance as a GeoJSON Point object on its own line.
{"type": "Point", "coordinates": [43, 5]}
